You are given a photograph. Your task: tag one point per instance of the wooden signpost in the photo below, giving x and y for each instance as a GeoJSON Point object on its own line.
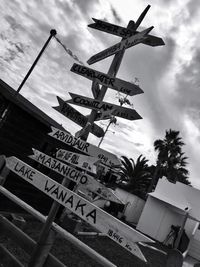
{"type": "Point", "coordinates": [118, 111]}
{"type": "Point", "coordinates": [74, 115]}
{"type": "Point", "coordinates": [124, 32]}
{"type": "Point", "coordinates": [124, 44]}
{"type": "Point", "coordinates": [74, 175]}
{"type": "Point", "coordinates": [116, 230]}
{"type": "Point", "coordinates": [85, 147]}
{"type": "Point", "coordinates": [84, 162]}
{"type": "Point", "coordinates": [104, 79]}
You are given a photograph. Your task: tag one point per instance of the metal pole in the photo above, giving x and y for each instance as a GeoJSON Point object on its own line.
{"type": "Point", "coordinates": [52, 33]}
{"type": "Point", "coordinates": [104, 134]}
{"type": "Point", "coordinates": [7, 109]}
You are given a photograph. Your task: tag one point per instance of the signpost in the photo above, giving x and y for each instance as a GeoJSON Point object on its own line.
{"type": "Point", "coordinates": [124, 32]}
{"type": "Point", "coordinates": [74, 175]}
{"type": "Point", "coordinates": [116, 230]}
{"type": "Point", "coordinates": [74, 115]}
{"type": "Point", "coordinates": [84, 162]}
{"type": "Point", "coordinates": [107, 80]}
{"type": "Point", "coordinates": [85, 147]}
{"type": "Point", "coordinates": [118, 111]}
{"type": "Point", "coordinates": [124, 44]}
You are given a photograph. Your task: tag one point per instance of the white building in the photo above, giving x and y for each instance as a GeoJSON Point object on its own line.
{"type": "Point", "coordinates": [172, 204]}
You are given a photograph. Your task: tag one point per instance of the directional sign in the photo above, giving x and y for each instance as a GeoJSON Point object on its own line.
{"type": "Point", "coordinates": [104, 79]}
{"type": "Point", "coordinates": [79, 160]}
{"type": "Point", "coordinates": [74, 115]}
{"type": "Point", "coordinates": [85, 147]}
{"type": "Point", "coordinates": [124, 44]}
{"type": "Point", "coordinates": [124, 32]}
{"type": "Point", "coordinates": [122, 234]}
{"type": "Point", "coordinates": [118, 111]}
{"type": "Point", "coordinates": [74, 175]}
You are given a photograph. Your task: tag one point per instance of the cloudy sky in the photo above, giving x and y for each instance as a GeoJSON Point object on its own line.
{"type": "Point", "coordinates": [168, 75]}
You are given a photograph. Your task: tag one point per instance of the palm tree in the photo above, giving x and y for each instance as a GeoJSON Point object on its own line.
{"type": "Point", "coordinates": [171, 161]}
{"type": "Point", "coordinates": [135, 176]}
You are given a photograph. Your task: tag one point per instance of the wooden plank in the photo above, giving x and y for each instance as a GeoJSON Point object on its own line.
{"type": "Point", "coordinates": [124, 44]}
{"type": "Point", "coordinates": [124, 32]}
{"type": "Point", "coordinates": [84, 162]}
{"type": "Point", "coordinates": [104, 79]}
{"type": "Point", "coordinates": [63, 233]}
{"type": "Point", "coordinates": [118, 111]}
{"type": "Point", "coordinates": [74, 175]}
{"type": "Point", "coordinates": [85, 147]}
{"type": "Point", "coordinates": [24, 241]}
{"type": "Point", "coordinates": [116, 230]}
{"type": "Point", "coordinates": [95, 89]}
{"type": "Point", "coordinates": [74, 115]}
{"type": "Point", "coordinates": [8, 259]}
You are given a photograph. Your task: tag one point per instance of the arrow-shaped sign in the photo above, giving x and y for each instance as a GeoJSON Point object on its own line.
{"type": "Point", "coordinates": [124, 44]}
{"type": "Point", "coordinates": [124, 32]}
{"type": "Point", "coordinates": [79, 160]}
{"type": "Point", "coordinates": [118, 111]}
{"type": "Point", "coordinates": [85, 147]}
{"type": "Point", "coordinates": [104, 79]}
{"type": "Point", "coordinates": [74, 115]}
{"type": "Point", "coordinates": [122, 234]}
{"type": "Point", "coordinates": [74, 175]}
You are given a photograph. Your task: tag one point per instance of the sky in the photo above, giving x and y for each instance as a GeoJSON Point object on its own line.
{"type": "Point", "coordinates": [168, 75]}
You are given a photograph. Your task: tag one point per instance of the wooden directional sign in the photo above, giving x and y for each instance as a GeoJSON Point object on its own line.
{"type": "Point", "coordinates": [116, 230]}
{"type": "Point", "coordinates": [124, 32]}
{"type": "Point", "coordinates": [74, 115]}
{"type": "Point", "coordinates": [104, 79]}
{"type": "Point", "coordinates": [74, 175]}
{"type": "Point", "coordinates": [79, 160]}
{"type": "Point", "coordinates": [118, 111]}
{"type": "Point", "coordinates": [124, 44]}
{"type": "Point", "coordinates": [85, 147]}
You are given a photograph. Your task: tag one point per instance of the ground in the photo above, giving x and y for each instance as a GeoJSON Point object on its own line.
{"type": "Point", "coordinates": [73, 257]}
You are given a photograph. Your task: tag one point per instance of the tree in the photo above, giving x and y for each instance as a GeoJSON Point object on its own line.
{"type": "Point", "coordinates": [135, 176]}
{"type": "Point", "coordinates": [171, 161]}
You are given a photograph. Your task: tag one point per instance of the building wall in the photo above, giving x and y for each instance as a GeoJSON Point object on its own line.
{"type": "Point", "coordinates": [134, 205]}
{"type": "Point", "coordinates": [156, 219]}
{"type": "Point", "coordinates": [19, 133]}
{"type": "Point", "coordinates": [194, 247]}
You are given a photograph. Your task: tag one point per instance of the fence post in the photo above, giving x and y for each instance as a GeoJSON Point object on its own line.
{"type": "Point", "coordinates": [47, 237]}
{"type": "Point", "coordinates": [4, 171]}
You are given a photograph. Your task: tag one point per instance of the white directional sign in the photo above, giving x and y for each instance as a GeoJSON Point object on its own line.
{"type": "Point", "coordinates": [79, 160]}
{"type": "Point", "coordinates": [74, 175]}
{"type": "Point", "coordinates": [85, 147]}
{"type": "Point", "coordinates": [124, 32]}
{"type": "Point", "coordinates": [104, 79]}
{"type": "Point", "coordinates": [116, 230]}
{"type": "Point", "coordinates": [74, 115]}
{"type": "Point", "coordinates": [118, 111]}
{"type": "Point", "coordinates": [124, 44]}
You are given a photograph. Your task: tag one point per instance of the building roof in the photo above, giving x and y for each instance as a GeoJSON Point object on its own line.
{"type": "Point", "coordinates": [9, 93]}
{"type": "Point", "coordinates": [179, 195]}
